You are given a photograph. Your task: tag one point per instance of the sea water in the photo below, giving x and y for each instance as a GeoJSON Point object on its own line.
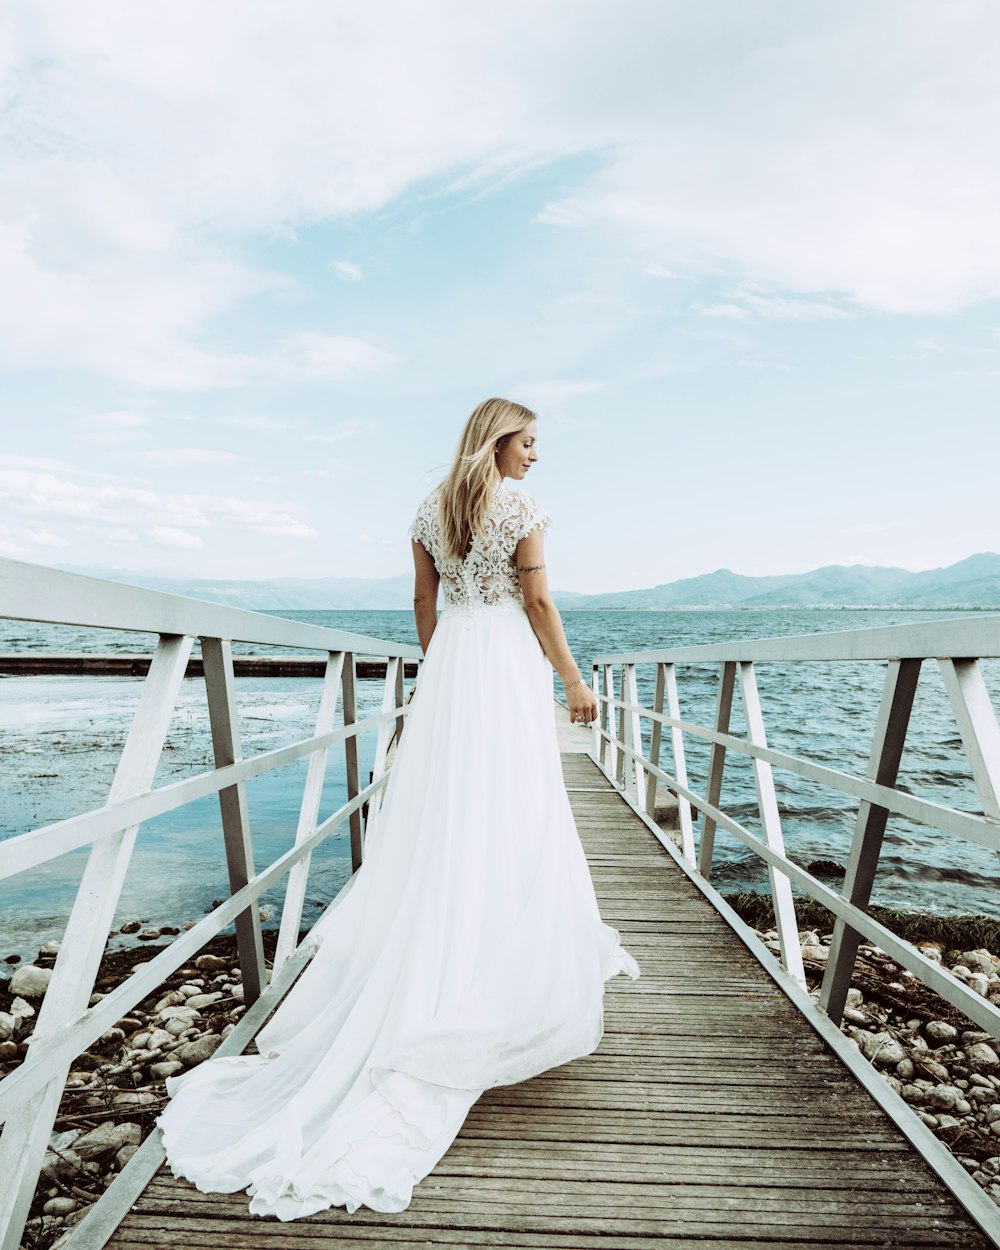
{"type": "Point", "coordinates": [61, 737]}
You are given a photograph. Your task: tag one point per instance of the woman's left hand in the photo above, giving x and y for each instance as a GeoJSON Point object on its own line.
{"type": "Point", "coordinates": [582, 705]}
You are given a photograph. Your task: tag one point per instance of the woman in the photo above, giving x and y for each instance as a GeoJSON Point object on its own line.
{"type": "Point", "coordinates": [467, 951]}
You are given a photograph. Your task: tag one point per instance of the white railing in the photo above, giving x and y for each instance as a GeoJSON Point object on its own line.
{"type": "Point", "coordinates": [66, 1025]}
{"type": "Point", "coordinates": [956, 645]}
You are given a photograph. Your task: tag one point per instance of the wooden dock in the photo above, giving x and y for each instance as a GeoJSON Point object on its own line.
{"type": "Point", "coordinates": [712, 1115]}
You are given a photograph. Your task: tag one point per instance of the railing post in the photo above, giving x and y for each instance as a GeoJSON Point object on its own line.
{"type": "Point", "coordinates": [223, 715]}
{"type": "Point", "coordinates": [883, 767]}
{"type": "Point", "coordinates": [621, 769]}
{"type": "Point", "coordinates": [655, 734]}
{"type": "Point", "coordinates": [400, 719]}
{"type": "Point", "coordinates": [349, 704]}
{"type": "Point", "coordinates": [298, 877]}
{"type": "Point", "coordinates": [393, 668]}
{"type": "Point", "coordinates": [716, 765]}
{"type": "Point", "coordinates": [767, 801]}
{"type": "Point", "coordinates": [597, 743]}
{"type": "Point", "coordinates": [634, 775]}
{"type": "Point", "coordinates": [977, 723]}
{"type": "Point", "coordinates": [609, 752]}
{"type": "Point", "coordinates": [26, 1135]}
{"type": "Point", "coordinates": [680, 764]}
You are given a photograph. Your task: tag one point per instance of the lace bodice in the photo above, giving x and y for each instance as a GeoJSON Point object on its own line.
{"type": "Point", "coordinates": [487, 576]}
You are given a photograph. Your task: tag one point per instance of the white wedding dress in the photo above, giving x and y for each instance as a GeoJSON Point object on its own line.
{"type": "Point", "coordinates": [467, 952]}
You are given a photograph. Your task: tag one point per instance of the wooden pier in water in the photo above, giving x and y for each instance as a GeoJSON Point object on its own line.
{"type": "Point", "coordinates": [713, 1115]}
{"type": "Point", "coordinates": [724, 1107]}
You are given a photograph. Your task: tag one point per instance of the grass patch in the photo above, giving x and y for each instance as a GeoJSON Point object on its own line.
{"type": "Point", "coordinates": [952, 932]}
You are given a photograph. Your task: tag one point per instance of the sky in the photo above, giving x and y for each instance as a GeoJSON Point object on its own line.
{"type": "Point", "coordinates": [258, 263]}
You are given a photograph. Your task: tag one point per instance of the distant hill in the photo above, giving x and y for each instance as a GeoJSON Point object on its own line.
{"type": "Point", "coordinates": [971, 583]}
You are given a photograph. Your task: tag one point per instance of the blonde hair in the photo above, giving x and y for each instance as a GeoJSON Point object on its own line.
{"type": "Point", "coordinates": [466, 491]}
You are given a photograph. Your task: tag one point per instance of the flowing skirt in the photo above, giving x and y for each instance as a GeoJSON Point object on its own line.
{"type": "Point", "coordinates": [467, 952]}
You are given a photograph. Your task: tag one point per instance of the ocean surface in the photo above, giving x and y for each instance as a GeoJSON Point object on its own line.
{"type": "Point", "coordinates": [60, 739]}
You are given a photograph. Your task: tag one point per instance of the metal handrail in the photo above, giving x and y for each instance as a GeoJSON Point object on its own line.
{"type": "Point", "coordinates": [66, 1024]}
{"type": "Point", "coordinates": [957, 646]}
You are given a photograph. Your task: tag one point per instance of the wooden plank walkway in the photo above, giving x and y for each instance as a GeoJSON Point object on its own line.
{"type": "Point", "coordinates": [712, 1115]}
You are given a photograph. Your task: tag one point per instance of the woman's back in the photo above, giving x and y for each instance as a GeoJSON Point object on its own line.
{"type": "Point", "coordinates": [487, 575]}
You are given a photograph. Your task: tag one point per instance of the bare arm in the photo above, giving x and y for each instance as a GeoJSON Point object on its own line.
{"type": "Point", "coordinates": [547, 624]}
{"type": "Point", "coordinates": [425, 593]}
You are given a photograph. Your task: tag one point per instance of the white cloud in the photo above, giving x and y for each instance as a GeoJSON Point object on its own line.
{"type": "Point", "coordinates": [189, 455]}
{"type": "Point", "coordinates": [548, 395]}
{"type": "Point", "coordinates": [311, 354]}
{"type": "Point", "coordinates": [140, 152]}
{"type": "Point", "coordinates": [749, 302]}
{"type": "Point", "coordinates": [168, 536]}
{"type": "Point", "coordinates": [348, 269]}
{"type": "Point", "coordinates": [336, 432]}
{"type": "Point", "coordinates": [736, 312]}
{"type": "Point", "coordinates": [9, 461]}
{"type": "Point", "coordinates": [47, 496]}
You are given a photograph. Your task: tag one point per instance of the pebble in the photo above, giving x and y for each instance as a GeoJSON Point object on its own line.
{"type": "Point", "coordinates": [202, 1048]}
{"type": "Point", "coordinates": [940, 1031]}
{"type": "Point", "coordinates": [106, 1139]}
{"type": "Point", "coordinates": [60, 1206]}
{"type": "Point", "coordinates": [211, 963]}
{"type": "Point", "coordinates": [30, 981]}
{"type": "Point", "coordinates": [7, 1026]}
{"type": "Point", "coordinates": [881, 1049]}
{"type": "Point", "coordinates": [169, 1067]}
{"type": "Point", "coordinates": [982, 1057]}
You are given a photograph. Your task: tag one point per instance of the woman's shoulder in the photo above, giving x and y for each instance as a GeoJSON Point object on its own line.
{"type": "Point", "coordinates": [425, 520]}
{"type": "Point", "coordinates": [525, 511]}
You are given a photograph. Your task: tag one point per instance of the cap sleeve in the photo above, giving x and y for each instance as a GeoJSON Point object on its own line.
{"type": "Point", "coordinates": [420, 529]}
{"type": "Point", "coordinates": [533, 516]}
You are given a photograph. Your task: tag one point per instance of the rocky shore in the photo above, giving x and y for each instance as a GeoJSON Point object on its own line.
{"type": "Point", "coordinates": [116, 1089]}
{"type": "Point", "coordinates": [946, 1068]}
{"type": "Point", "coordinates": [942, 1064]}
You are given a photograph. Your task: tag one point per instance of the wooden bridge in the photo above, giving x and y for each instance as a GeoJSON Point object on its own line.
{"type": "Point", "coordinates": [724, 1107]}
{"type": "Point", "coordinates": [712, 1115]}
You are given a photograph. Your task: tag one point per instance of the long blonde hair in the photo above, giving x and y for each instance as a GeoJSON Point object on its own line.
{"type": "Point", "coordinates": [466, 491]}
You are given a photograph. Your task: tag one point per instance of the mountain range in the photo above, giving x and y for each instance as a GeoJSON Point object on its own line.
{"type": "Point", "coordinates": [971, 583]}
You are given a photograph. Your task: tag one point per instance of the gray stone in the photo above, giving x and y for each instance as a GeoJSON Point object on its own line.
{"type": "Point", "coordinates": [981, 1057]}
{"type": "Point", "coordinates": [853, 1016]}
{"type": "Point", "coordinates": [7, 1026]}
{"type": "Point", "coordinates": [854, 997]}
{"type": "Point", "coordinates": [30, 981]}
{"type": "Point", "coordinates": [134, 1098]}
{"type": "Point", "coordinates": [106, 1139]}
{"type": "Point", "coordinates": [179, 1013]}
{"type": "Point", "coordinates": [946, 1097]}
{"type": "Point", "coordinates": [8, 1051]}
{"type": "Point", "coordinates": [198, 1001]}
{"type": "Point", "coordinates": [980, 982]}
{"type": "Point", "coordinates": [50, 949]}
{"type": "Point", "coordinates": [61, 1163]}
{"type": "Point", "coordinates": [913, 1093]}
{"type": "Point", "coordinates": [202, 1048]}
{"type": "Point", "coordinates": [979, 961]}
{"type": "Point", "coordinates": [937, 1070]}
{"type": "Point", "coordinates": [928, 1119]}
{"type": "Point", "coordinates": [940, 1031]}
{"type": "Point", "coordinates": [126, 1153]}
{"type": "Point", "coordinates": [159, 1038]}
{"type": "Point", "coordinates": [211, 963]}
{"type": "Point", "coordinates": [169, 1067]}
{"type": "Point", "coordinates": [947, 1121]}
{"type": "Point", "coordinates": [881, 1049]}
{"type": "Point", "coordinates": [905, 1069]}
{"type": "Point", "coordinates": [178, 1026]}
{"type": "Point", "coordinates": [130, 926]}
{"type": "Point", "coordinates": [60, 1206]}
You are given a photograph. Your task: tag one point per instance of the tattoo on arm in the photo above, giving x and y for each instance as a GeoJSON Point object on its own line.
{"type": "Point", "coordinates": [530, 568]}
